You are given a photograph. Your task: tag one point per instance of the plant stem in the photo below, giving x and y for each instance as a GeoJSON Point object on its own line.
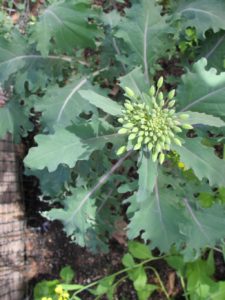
{"type": "Point", "coordinates": [118, 273]}
{"type": "Point", "coordinates": [160, 282]}
{"type": "Point", "coordinates": [183, 286]}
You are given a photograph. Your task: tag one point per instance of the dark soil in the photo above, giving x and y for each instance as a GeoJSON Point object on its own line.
{"type": "Point", "coordinates": [53, 250]}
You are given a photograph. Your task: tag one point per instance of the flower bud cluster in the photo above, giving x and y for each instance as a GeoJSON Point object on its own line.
{"type": "Point", "coordinates": [62, 295]}
{"type": "Point", "coordinates": [153, 125]}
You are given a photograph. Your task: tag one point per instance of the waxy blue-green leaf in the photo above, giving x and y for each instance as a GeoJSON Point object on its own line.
{"type": "Point", "coordinates": [66, 147]}
{"type": "Point", "coordinates": [62, 147]}
{"type": "Point", "coordinates": [145, 31]}
{"type": "Point", "coordinates": [202, 118]}
{"type": "Point", "coordinates": [158, 219]}
{"type": "Point", "coordinates": [28, 66]}
{"type": "Point", "coordinates": [205, 227]}
{"type": "Point", "coordinates": [135, 80]}
{"type": "Point", "coordinates": [66, 23]}
{"type": "Point", "coordinates": [202, 90]}
{"type": "Point", "coordinates": [202, 160]}
{"type": "Point", "coordinates": [147, 173]}
{"type": "Point", "coordinates": [104, 103]}
{"type": "Point", "coordinates": [51, 184]}
{"type": "Point", "coordinates": [76, 217]}
{"type": "Point", "coordinates": [12, 58]}
{"type": "Point", "coordinates": [201, 14]}
{"type": "Point", "coordinates": [14, 120]}
{"type": "Point", "coordinates": [60, 106]}
{"type": "Point", "coordinates": [213, 49]}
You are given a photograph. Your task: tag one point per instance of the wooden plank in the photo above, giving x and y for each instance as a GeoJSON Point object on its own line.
{"type": "Point", "coordinates": [12, 226]}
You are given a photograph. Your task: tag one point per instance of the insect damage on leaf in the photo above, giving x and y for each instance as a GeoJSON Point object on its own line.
{"type": "Point", "coordinates": [151, 122]}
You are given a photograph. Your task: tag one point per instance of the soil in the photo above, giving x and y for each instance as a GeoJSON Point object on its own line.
{"type": "Point", "coordinates": [49, 250]}
{"type": "Point", "coordinates": [52, 250]}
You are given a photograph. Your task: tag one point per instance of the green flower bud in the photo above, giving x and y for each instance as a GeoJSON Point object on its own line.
{"type": "Point", "coordinates": [160, 96]}
{"type": "Point", "coordinates": [152, 125]}
{"type": "Point", "coordinates": [176, 122]}
{"type": "Point", "coordinates": [137, 146]}
{"type": "Point", "coordinates": [170, 133]}
{"type": "Point", "coordinates": [140, 133]}
{"type": "Point", "coordinates": [168, 140]}
{"type": "Point", "coordinates": [136, 117]}
{"type": "Point", "coordinates": [140, 139]}
{"type": "Point", "coordinates": [171, 103]}
{"type": "Point", "coordinates": [171, 94]}
{"type": "Point", "coordinates": [162, 103]}
{"type": "Point", "coordinates": [183, 116]}
{"type": "Point", "coordinates": [120, 120]}
{"type": "Point", "coordinates": [161, 158]}
{"type": "Point", "coordinates": [163, 138]}
{"type": "Point", "coordinates": [141, 105]}
{"type": "Point", "coordinates": [177, 129]}
{"type": "Point", "coordinates": [172, 112]}
{"type": "Point", "coordinates": [132, 136]}
{"type": "Point", "coordinates": [147, 139]}
{"type": "Point", "coordinates": [167, 147]}
{"type": "Point", "coordinates": [128, 125]}
{"type": "Point", "coordinates": [135, 129]}
{"type": "Point", "coordinates": [129, 106]}
{"type": "Point", "coordinates": [150, 146]}
{"type": "Point", "coordinates": [187, 126]}
{"type": "Point", "coordinates": [160, 82]}
{"type": "Point", "coordinates": [154, 102]}
{"type": "Point", "coordinates": [142, 115]}
{"type": "Point", "coordinates": [121, 150]}
{"type": "Point", "coordinates": [122, 131]}
{"type": "Point", "coordinates": [154, 156]}
{"type": "Point", "coordinates": [177, 141]}
{"type": "Point", "coordinates": [129, 92]}
{"type": "Point", "coordinates": [159, 133]}
{"type": "Point", "coordinates": [152, 91]}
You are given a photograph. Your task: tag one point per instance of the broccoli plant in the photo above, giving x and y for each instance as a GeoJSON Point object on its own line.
{"type": "Point", "coordinates": [127, 122]}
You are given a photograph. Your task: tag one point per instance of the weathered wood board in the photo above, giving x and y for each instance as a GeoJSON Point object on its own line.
{"type": "Point", "coordinates": [12, 226]}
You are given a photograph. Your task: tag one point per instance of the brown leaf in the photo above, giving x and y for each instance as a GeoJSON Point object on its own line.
{"type": "Point", "coordinates": [171, 284]}
{"type": "Point", "coordinates": [120, 232]}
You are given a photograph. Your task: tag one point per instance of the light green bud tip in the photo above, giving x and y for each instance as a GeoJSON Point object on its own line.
{"type": "Point", "coordinates": [160, 96]}
{"type": "Point", "coordinates": [154, 156]}
{"type": "Point", "coordinates": [160, 82]}
{"type": "Point", "coordinates": [128, 125]}
{"type": "Point", "coordinates": [171, 103]}
{"type": "Point", "coordinates": [128, 106]}
{"type": "Point", "coordinates": [132, 136]}
{"type": "Point", "coordinates": [177, 141]}
{"type": "Point", "coordinates": [129, 92]}
{"type": "Point", "coordinates": [152, 91]}
{"type": "Point", "coordinates": [183, 116]}
{"type": "Point", "coordinates": [171, 94]}
{"type": "Point", "coordinates": [161, 158]}
{"type": "Point", "coordinates": [137, 146]}
{"type": "Point", "coordinates": [122, 131]}
{"type": "Point", "coordinates": [187, 126]}
{"type": "Point", "coordinates": [121, 150]}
